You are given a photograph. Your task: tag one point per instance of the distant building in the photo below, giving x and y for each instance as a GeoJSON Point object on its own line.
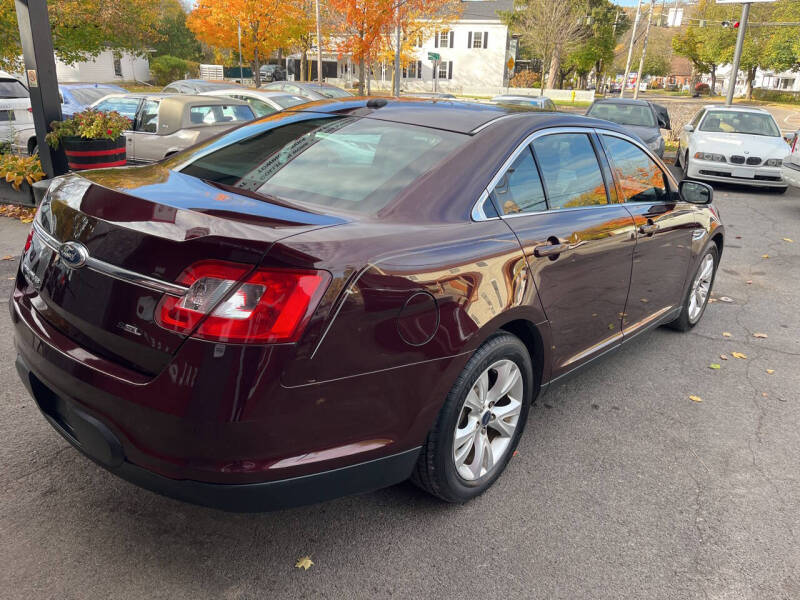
{"type": "Point", "coordinates": [109, 66]}
{"type": "Point", "coordinates": [785, 81]}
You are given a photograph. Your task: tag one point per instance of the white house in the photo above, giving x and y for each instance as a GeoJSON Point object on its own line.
{"type": "Point", "coordinates": [109, 66]}
{"type": "Point", "coordinates": [473, 51]}
{"type": "Point", "coordinates": [786, 81]}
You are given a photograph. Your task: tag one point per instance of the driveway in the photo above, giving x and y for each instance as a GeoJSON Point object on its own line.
{"type": "Point", "coordinates": [623, 487]}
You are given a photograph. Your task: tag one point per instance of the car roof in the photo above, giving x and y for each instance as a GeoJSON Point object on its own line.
{"type": "Point", "coordinates": [255, 92]}
{"type": "Point", "coordinates": [520, 97]}
{"type": "Point", "coordinates": [77, 85]}
{"type": "Point", "coordinates": [755, 109]}
{"type": "Point", "coordinates": [450, 115]}
{"type": "Point", "coordinates": [181, 98]}
{"type": "Point", "coordinates": [622, 101]}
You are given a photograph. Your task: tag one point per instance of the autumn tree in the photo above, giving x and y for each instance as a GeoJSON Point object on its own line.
{"type": "Point", "coordinates": [82, 29]}
{"type": "Point", "coordinates": [266, 26]}
{"type": "Point", "coordinates": [175, 37]}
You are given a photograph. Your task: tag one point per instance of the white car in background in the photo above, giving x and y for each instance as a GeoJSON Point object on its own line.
{"type": "Point", "coordinates": [262, 102]}
{"type": "Point", "coordinates": [791, 162]}
{"type": "Point", "coordinates": [15, 107]}
{"type": "Point", "coordinates": [733, 144]}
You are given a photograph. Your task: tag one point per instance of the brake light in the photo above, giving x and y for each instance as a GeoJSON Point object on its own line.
{"type": "Point", "coordinates": [29, 241]}
{"type": "Point", "coordinates": [225, 304]}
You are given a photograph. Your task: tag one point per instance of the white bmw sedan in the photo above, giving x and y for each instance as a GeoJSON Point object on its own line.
{"type": "Point", "coordinates": [733, 144]}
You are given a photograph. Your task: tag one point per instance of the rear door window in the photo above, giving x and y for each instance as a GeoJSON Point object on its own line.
{"type": "Point", "coordinates": [148, 118]}
{"type": "Point", "coordinates": [520, 188]}
{"type": "Point", "coordinates": [124, 106]}
{"type": "Point", "coordinates": [218, 113]}
{"type": "Point", "coordinates": [640, 179]}
{"type": "Point", "coordinates": [571, 173]}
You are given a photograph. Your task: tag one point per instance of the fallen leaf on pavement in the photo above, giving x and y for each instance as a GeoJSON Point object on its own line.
{"type": "Point", "coordinates": [27, 220]}
{"type": "Point", "coordinates": [759, 335]}
{"type": "Point", "coordinates": [723, 356]}
{"type": "Point", "coordinates": [7, 257]}
{"type": "Point", "coordinates": [695, 398]}
{"type": "Point", "coordinates": [714, 366]}
{"type": "Point", "coordinates": [765, 256]}
{"type": "Point", "coordinates": [770, 371]}
{"type": "Point", "coordinates": [764, 394]}
{"type": "Point", "coordinates": [738, 237]}
{"type": "Point", "coordinates": [516, 453]}
{"type": "Point", "coordinates": [710, 300]}
{"type": "Point", "coordinates": [304, 563]}
{"type": "Point", "coordinates": [749, 282]}
{"type": "Point", "coordinates": [726, 334]}
{"type": "Point", "coordinates": [790, 240]}
{"type": "Point", "coordinates": [725, 299]}
{"type": "Point", "coordinates": [738, 355]}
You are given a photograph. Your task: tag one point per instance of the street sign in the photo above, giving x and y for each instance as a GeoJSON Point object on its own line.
{"type": "Point", "coordinates": [434, 56]}
{"type": "Point", "coordinates": [510, 63]}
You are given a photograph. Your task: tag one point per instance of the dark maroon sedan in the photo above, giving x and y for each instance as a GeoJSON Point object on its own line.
{"type": "Point", "coordinates": [348, 294]}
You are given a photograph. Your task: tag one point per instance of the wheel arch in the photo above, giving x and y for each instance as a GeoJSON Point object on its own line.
{"type": "Point", "coordinates": [719, 241]}
{"type": "Point", "coordinates": [530, 335]}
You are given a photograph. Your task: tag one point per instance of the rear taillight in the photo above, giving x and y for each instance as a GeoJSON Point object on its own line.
{"type": "Point", "coordinates": [29, 241]}
{"type": "Point", "coordinates": [225, 304]}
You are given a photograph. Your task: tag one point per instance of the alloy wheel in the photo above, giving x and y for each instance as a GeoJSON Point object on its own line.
{"type": "Point", "coordinates": [701, 286]}
{"type": "Point", "coordinates": [488, 420]}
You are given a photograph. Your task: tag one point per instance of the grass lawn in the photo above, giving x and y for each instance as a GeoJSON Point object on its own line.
{"type": "Point", "coordinates": [138, 86]}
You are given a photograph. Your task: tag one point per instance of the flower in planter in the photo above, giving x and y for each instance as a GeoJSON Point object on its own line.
{"type": "Point", "coordinates": [90, 124]}
{"type": "Point", "coordinates": [17, 170]}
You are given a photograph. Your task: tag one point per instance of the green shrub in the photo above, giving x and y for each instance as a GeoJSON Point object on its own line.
{"type": "Point", "coordinates": [166, 69]}
{"type": "Point", "coordinates": [776, 96]}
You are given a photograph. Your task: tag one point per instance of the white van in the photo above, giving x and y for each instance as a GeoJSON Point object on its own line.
{"type": "Point", "coordinates": [15, 107]}
{"type": "Point", "coordinates": [791, 164]}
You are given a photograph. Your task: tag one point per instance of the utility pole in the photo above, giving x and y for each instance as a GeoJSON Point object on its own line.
{"type": "Point", "coordinates": [319, 45]}
{"type": "Point", "coordinates": [630, 48]}
{"type": "Point", "coordinates": [644, 51]}
{"type": "Point", "coordinates": [397, 73]}
{"type": "Point", "coordinates": [241, 77]}
{"type": "Point", "coordinates": [737, 54]}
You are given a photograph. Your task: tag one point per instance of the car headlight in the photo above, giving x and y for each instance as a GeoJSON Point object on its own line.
{"type": "Point", "coordinates": [774, 162]}
{"type": "Point", "coordinates": [709, 156]}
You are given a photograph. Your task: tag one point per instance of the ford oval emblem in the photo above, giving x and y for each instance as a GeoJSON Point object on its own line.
{"type": "Point", "coordinates": [74, 254]}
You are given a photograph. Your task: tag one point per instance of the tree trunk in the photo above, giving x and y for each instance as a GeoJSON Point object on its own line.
{"type": "Point", "coordinates": [256, 68]}
{"type": "Point", "coordinates": [304, 65]}
{"type": "Point", "coordinates": [714, 79]}
{"type": "Point", "coordinates": [751, 75]}
{"type": "Point", "coordinates": [361, 76]}
{"type": "Point", "coordinates": [541, 79]}
{"type": "Point", "coordinates": [555, 68]}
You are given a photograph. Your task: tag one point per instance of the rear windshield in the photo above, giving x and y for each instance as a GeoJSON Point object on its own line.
{"type": "Point", "coordinates": [353, 164]}
{"type": "Point", "coordinates": [330, 91]}
{"type": "Point", "coordinates": [727, 121]}
{"type": "Point", "coordinates": [87, 96]}
{"type": "Point", "coordinates": [288, 101]}
{"type": "Point", "coordinates": [12, 89]}
{"type": "Point", "coordinates": [624, 114]}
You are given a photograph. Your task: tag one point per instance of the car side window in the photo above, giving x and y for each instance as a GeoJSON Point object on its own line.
{"type": "Point", "coordinates": [124, 106]}
{"type": "Point", "coordinates": [170, 90]}
{"type": "Point", "coordinates": [520, 188]}
{"type": "Point", "coordinates": [640, 178]}
{"type": "Point", "coordinates": [260, 108]}
{"type": "Point", "coordinates": [148, 117]}
{"type": "Point", "coordinates": [697, 118]}
{"type": "Point", "coordinates": [571, 173]}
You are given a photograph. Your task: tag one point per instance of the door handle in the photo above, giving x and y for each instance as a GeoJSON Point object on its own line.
{"type": "Point", "coordinates": [648, 229]}
{"type": "Point", "coordinates": [551, 250]}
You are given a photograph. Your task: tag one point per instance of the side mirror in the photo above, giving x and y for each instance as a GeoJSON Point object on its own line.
{"type": "Point", "coordinates": [696, 192]}
{"type": "Point", "coordinates": [688, 128]}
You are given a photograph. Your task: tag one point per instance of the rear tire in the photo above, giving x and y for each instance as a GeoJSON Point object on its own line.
{"type": "Point", "coordinates": [480, 424]}
{"type": "Point", "coordinates": [696, 299]}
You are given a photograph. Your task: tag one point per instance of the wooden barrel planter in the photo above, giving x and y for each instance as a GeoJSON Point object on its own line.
{"type": "Point", "coordinates": [84, 154]}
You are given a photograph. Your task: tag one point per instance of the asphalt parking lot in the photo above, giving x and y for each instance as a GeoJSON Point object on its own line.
{"type": "Point", "coordinates": [623, 487]}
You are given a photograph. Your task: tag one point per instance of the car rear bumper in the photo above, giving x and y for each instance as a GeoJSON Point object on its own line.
{"type": "Point", "coordinates": [92, 437]}
{"type": "Point", "coordinates": [724, 173]}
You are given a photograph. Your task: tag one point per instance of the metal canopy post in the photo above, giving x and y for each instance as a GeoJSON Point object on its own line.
{"type": "Point", "coordinates": [40, 68]}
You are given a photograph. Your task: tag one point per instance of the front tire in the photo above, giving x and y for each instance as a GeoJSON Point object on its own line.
{"type": "Point", "coordinates": [481, 422]}
{"type": "Point", "coordinates": [696, 299]}
{"type": "Point", "coordinates": [685, 163]}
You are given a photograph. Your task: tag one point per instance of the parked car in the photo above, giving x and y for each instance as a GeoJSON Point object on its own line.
{"type": "Point", "coordinates": [301, 309]}
{"type": "Point", "coordinates": [312, 91]}
{"type": "Point", "coordinates": [272, 73]}
{"type": "Point", "coordinates": [791, 162]}
{"type": "Point", "coordinates": [733, 144]}
{"type": "Point", "coordinates": [430, 95]}
{"type": "Point", "coordinates": [166, 124]}
{"type": "Point", "coordinates": [76, 97]}
{"type": "Point", "coordinates": [195, 86]}
{"type": "Point", "coordinates": [640, 117]}
{"type": "Point", "coordinates": [532, 102]}
{"type": "Point", "coordinates": [262, 102]}
{"type": "Point", "coordinates": [15, 108]}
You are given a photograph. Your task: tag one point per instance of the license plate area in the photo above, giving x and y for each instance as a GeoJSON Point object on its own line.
{"type": "Point", "coordinates": [743, 173]}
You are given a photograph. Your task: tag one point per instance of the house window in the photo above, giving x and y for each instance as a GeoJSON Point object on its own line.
{"type": "Point", "coordinates": [444, 39]}
{"type": "Point", "coordinates": [117, 65]}
{"type": "Point", "coordinates": [477, 39]}
{"type": "Point", "coordinates": [445, 70]}
{"type": "Point", "coordinates": [411, 70]}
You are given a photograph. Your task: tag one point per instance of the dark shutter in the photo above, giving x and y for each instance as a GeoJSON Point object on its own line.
{"type": "Point", "coordinates": [405, 73]}
{"type": "Point", "coordinates": [435, 39]}
{"type": "Point", "coordinates": [485, 39]}
{"type": "Point", "coordinates": [469, 40]}
{"type": "Point", "coordinates": [419, 69]}
{"type": "Point", "coordinates": [450, 69]}
{"type": "Point", "coordinates": [452, 37]}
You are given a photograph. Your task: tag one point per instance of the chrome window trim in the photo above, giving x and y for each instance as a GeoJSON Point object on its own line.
{"type": "Point", "coordinates": [115, 272]}
{"type": "Point", "coordinates": [477, 213]}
